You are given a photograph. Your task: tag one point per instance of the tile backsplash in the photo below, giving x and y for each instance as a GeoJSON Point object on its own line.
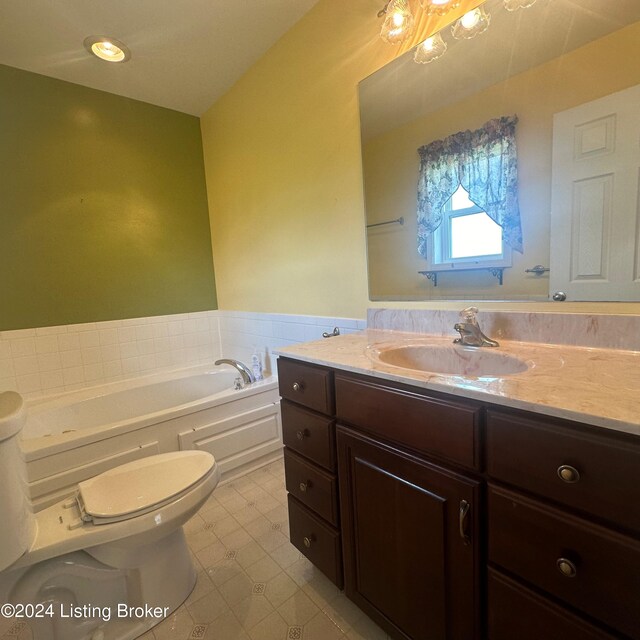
{"type": "Point", "coordinates": [242, 333]}
{"type": "Point", "coordinates": [51, 360]}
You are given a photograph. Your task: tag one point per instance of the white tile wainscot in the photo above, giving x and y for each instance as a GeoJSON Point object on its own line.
{"type": "Point", "coordinates": [50, 360]}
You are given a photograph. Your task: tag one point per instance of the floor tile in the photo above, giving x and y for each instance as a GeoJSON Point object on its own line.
{"type": "Point", "coordinates": [224, 571]}
{"type": "Point", "coordinates": [225, 526]}
{"type": "Point", "coordinates": [236, 589]}
{"type": "Point", "coordinates": [250, 554]}
{"type": "Point", "coordinates": [298, 609]}
{"type": "Point", "coordinates": [280, 588]}
{"type": "Point", "coordinates": [212, 554]}
{"type": "Point", "coordinates": [259, 526]}
{"type": "Point", "coordinates": [226, 627]}
{"type": "Point", "coordinates": [285, 555]}
{"type": "Point", "coordinates": [208, 608]}
{"type": "Point", "coordinates": [271, 540]}
{"type": "Point", "coordinates": [322, 628]}
{"type": "Point", "coordinates": [177, 626]}
{"type": "Point", "coordinates": [198, 540]}
{"type": "Point", "coordinates": [237, 539]}
{"type": "Point", "coordinates": [252, 610]}
{"type": "Point", "coordinates": [263, 570]}
{"type": "Point", "coordinates": [272, 627]}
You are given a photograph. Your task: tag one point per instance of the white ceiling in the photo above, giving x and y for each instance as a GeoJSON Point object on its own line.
{"type": "Point", "coordinates": [185, 53]}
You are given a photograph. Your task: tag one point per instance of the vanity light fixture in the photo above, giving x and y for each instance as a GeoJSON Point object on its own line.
{"type": "Point", "coordinates": [439, 7]}
{"type": "Point", "coordinates": [398, 22]}
{"type": "Point", "coordinates": [472, 24]}
{"type": "Point", "coordinates": [514, 5]}
{"type": "Point", "coordinates": [429, 50]}
{"type": "Point", "coordinates": [108, 49]}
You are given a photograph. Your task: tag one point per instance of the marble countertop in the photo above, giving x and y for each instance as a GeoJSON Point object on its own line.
{"type": "Point", "coordinates": [600, 387]}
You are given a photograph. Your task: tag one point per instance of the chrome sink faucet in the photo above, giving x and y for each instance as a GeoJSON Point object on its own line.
{"type": "Point", "coordinates": [469, 330]}
{"type": "Point", "coordinates": [245, 372]}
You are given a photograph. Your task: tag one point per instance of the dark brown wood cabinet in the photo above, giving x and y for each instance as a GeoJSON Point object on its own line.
{"type": "Point", "coordinates": [410, 539]}
{"type": "Point", "coordinates": [308, 431]}
{"type": "Point", "coordinates": [462, 520]}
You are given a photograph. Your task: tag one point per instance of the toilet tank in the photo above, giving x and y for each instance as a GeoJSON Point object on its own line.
{"type": "Point", "coordinates": [17, 525]}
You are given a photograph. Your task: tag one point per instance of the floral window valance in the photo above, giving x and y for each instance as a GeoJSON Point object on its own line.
{"type": "Point", "coordinates": [485, 163]}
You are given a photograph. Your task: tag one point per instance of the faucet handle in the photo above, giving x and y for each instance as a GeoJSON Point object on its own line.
{"type": "Point", "coordinates": [469, 314]}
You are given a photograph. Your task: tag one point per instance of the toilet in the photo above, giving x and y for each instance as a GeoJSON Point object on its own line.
{"type": "Point", "coordinates": [111, 561]}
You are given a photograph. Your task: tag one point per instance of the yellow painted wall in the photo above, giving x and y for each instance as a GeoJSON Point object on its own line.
{"type": "Point", "coordinates": [390, 167]}
{"type": "Point", "coordinates": [284, 173]}
{"type": "Point", "coordinates": [284, 177]}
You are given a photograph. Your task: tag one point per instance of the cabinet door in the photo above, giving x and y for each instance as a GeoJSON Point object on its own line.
{"type": "Point", "coordinates": [410, 543]}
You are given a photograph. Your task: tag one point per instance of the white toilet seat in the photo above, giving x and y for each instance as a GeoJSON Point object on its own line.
{"type": "Point", "coordinates": [61, 528]}
{"type": "Point", "coordinates": [141, 486]}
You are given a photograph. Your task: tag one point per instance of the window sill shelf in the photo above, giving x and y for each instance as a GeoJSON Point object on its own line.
{"type": "Point", "coordinates": [497, 272]}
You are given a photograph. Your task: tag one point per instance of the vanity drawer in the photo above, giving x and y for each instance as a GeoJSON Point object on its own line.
{"type": "Point", "coordinates": [306, 384]}
{"type": "Point", "coordinates": [314, 487]}
{"type": "Point", "coordinates": [309, 434]}
{"type": "Point", "coordinates": [517, 612]}
{"type": "Point", "coordinates": [316, 540]}
{"type": "Point", "coordinates": [585, 565]}
{"type": "Point", "coordinates": [445, 428]}
{"type": "Point", "coordinates": [532, 454]}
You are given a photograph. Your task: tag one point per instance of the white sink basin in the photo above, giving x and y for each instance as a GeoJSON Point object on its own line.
{"type": "Point", "coordinates": [450, 360]}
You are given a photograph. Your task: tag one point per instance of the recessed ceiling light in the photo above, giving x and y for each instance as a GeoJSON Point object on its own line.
{"type": "Point", "coordinates": [107, 48]}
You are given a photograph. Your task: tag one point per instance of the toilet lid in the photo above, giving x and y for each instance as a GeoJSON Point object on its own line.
{"type": "Point", "coordinates": [141, 485]}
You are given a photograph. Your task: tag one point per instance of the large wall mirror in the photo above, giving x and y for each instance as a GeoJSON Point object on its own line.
{"type": "Point", "coordinates": [562, 78]}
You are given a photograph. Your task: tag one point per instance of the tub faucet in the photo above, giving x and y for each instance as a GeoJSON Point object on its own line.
{"type": "Point", "coordinates": [245, 372]}
{"type": "Point", "coordinates": [469, 330]}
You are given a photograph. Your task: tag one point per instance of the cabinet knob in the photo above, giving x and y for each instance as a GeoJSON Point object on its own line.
{"type": "Point", "coordinates": [305, 485]}
{"type": "Point", "coordinates": [568, 474]}
{"type": "Point", "coordinates": [302, 434]}
{"type": "Point", "coordinates": [566, 567]}
{"type": "Point", "coordinates": [297, 386]}
{"type": "Point", "coordinates": [308, 540]}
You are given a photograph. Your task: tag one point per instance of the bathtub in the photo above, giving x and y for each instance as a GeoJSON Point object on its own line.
{"type": "Point", "coordinates": [76, 435]}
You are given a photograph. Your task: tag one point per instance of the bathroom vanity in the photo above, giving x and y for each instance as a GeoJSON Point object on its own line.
{"type": "Point", "coordinates": [448, 516]}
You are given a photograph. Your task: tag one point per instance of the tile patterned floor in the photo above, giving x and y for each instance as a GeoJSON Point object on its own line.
{"type": "Point", "coordinates": [252, 583]}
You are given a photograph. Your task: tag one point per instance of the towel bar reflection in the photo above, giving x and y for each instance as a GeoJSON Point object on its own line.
{"type": "Point", "coordinates": [538, 270]}
{"type": "Point", "coordinates": [399, 221]}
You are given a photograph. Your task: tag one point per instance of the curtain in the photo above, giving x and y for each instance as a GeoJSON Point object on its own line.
{"type": "Point", "coordinates": [485, 163]}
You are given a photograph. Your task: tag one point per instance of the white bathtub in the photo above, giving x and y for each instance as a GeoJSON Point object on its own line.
{"type": "Point", "coordinates": [76, 435]}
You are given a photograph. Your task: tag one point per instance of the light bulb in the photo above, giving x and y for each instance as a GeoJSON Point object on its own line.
{"type": "Point", "coordinates": [470, 19]}
{"type": "Point", "coordinates": [108, 49]}
{"type": "Point", "coordinates": [471, 24]}
{"type": "Point", "coordinates": [398, 23]}
{"type": "Point", "coordinates": [431, 49]}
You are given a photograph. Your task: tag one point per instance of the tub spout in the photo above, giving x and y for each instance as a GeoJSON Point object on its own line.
{"type": "Point", "coordinates": [245, 372]}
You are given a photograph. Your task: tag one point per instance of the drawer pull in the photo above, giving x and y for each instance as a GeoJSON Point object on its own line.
{"type": "Point", "coordinates": [308, 540]}
{"type": "Point", "coordinates": [566, 567]}
{"type": "Point", "coordinates": [462, 520]}
{"type": "Point", "coordinates": [568, 474]}
{"type": "Point", "coordinates": [302, 434]}
{"type": "Point", "coordinates": [297, 386]}
{"type": "Point", "coordinates": [305, 485]}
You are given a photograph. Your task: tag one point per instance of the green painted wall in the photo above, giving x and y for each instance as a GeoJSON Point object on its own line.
{"type": "Point", "coordinates": [103, 206]}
